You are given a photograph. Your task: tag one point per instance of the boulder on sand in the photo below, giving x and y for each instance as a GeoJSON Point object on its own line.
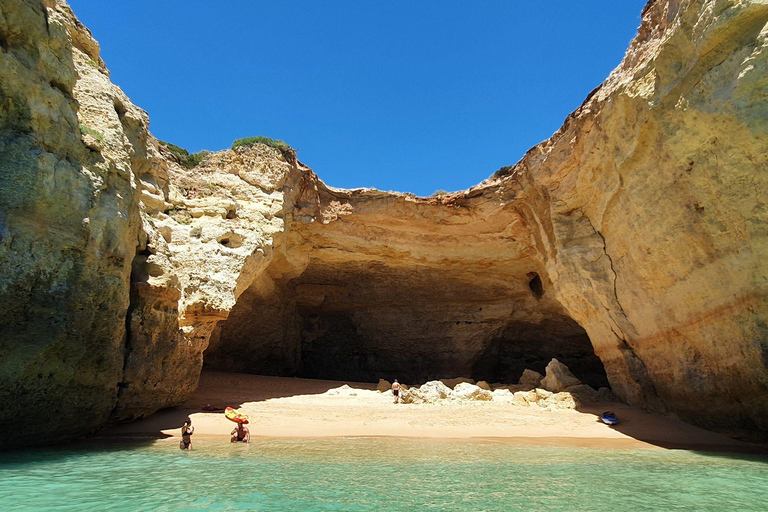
{"type": "Point", "coordinates": [563, 400]}
{"type": "Point", "coordinates": [502, 394]}
{"type": "Point", "coordinates": [525, 398]}
{"type": "Point", "coordinates": [384, 386]}
{"type": "Point", "coordinates": [483, 385]}
{"type": "Point", "coordinates": [530, 379]}
{"type": "Point", "coordinates": [467, 391]}
{"type": "Point", "coordinates": [583, 394]}
{"type": "Point", "coordinates": [428, 393]}
{"type": "Point", "coordinates": [558, 377]}
{"type": "Point", "coordinates": [436, 389]}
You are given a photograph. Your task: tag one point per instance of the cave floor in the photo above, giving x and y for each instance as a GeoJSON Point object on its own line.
{"type": "Point", "coordinates": [292, 407]}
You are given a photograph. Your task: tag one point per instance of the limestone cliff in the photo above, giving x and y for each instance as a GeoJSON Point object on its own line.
{"type": "Point", "coordinates": [628, 245]}
{"type": "Point", "coordinates": [72, 147]}
{"type": "Point", "coordinates": [647, 208]}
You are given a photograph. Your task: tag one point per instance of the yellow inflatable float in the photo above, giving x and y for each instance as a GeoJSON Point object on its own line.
{"type": "Point", "coordinates": [235, 415]}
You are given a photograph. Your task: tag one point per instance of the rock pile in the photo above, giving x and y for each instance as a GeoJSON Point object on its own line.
{"type": "Point", "coordinates": [557, 389]}
{"type": "Point", "coordinates": [435, 391]}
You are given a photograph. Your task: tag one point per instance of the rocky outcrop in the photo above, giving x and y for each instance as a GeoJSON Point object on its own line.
{"type": "Point", "coordinates": [558, 377]}
{"type": "Point", "coordinates": [112, 277]}
{"type": "Point", "coordinates": [646, 209]}
{"type": "Point", "coordinates": [503, 277]}
{"type": "Point", "coordinates": [629, 245]}
{"type": "Point", "coordinates": [530, 378]}
{"type": "Point", "coordinates": [72, 152]}
{"type": "Point", "coordinates": [435, 392]}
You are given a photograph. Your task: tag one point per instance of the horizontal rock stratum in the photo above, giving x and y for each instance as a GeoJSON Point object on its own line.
{"type": "Point", "coordinates": [631, 245]}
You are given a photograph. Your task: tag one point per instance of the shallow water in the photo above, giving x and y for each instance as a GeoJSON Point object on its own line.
{"type": "Point", "coordinates": [376, 474]}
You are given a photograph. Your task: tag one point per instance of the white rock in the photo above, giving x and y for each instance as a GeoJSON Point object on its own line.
{"type": "Point", "coordinates": [563, 400]}
{"type": "Point", "coordinates": [503, 394]}
{"type": "Point", "coordinates": [435, 388]}
{"type": "Point", "coordinates": [467, 391]}
{"type": "Point", "coordinates": [524, 398]}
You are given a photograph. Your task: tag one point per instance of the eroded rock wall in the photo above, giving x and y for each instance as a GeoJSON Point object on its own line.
{"type": "Point", "coordinates": [648, 206]}
{"type": "Point", "coordinates": [635, 233]}
{"type": "Point", "coordinates": [69, 221]}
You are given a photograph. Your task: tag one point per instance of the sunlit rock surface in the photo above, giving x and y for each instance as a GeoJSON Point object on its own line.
{"type": "Point", "coordinates": [629, 245]}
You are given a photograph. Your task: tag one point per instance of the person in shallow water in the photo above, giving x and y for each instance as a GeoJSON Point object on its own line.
{"type": "Point", "coordinates": [186, 435]}
{"type": "Point", "coordinates": [241, 433]}
{"type": "Point", "coordinates": [396, 391]}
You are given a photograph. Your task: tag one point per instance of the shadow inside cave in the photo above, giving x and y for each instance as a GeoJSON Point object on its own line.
{"type": "Point", "coordinates": [213, 387]}
{"type": "Point", "coordinates": [669, 433]}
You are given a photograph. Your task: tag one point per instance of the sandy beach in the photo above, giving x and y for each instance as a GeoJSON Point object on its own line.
{"type": "Point", "coordinates": [291, 407]}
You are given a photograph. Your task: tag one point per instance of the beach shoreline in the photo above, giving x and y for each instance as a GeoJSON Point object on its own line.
{"type": "Point", "coordinates": [306, 408]}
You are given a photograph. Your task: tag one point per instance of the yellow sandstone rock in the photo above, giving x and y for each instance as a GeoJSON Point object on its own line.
{"type": "Point", "coordinates": [630, 245]}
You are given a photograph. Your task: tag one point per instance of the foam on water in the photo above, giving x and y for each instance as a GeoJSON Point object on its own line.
{"type": "Point", "coordinates": [377, 474]}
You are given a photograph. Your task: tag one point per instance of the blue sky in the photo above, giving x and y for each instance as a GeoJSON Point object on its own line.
{"type": "Point", "coordinates": [412, 96]}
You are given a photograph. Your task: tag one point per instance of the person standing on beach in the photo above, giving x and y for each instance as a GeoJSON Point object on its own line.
{"type": "Point", "coordinates": [241, 433]}
{"type": "Point", "coordinates": [396, 391]}
{"type": "Point", "coordinates": [186, 434]}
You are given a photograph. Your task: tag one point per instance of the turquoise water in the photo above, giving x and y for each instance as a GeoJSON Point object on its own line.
{"type": "Point", "coordinates": [377, 474]}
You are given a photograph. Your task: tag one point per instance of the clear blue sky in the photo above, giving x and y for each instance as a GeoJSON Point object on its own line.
{"type": "Point", "coordinates": [399, 95]}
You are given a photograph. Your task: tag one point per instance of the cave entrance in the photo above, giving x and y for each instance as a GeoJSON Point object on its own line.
{"type": "Point", "coordinates": [526, 345]}
{"type": "Point", "coordinates": [366, 322]}
{"type": "Point", "coordinates": [334, 346]}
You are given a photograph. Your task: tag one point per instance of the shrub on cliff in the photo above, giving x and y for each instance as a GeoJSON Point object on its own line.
{"type": "Point", "coordinates": [85, 130]}
{"type": "Point", "coordinates": [183, 157]}
{"type": "Point", "coordinates": [250, 141]}
{"type": "Point", "coordinates": [503, 171]}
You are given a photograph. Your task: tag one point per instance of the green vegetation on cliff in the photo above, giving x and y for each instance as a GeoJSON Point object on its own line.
{"type": "Point", "coordinates": [249, 141]}
{"type": "Point", "coordinates": [503, 171]}
{"type": "Point", "coordinates": [85, 130]}
{"type": "Point", "coordinates": [183, 157]}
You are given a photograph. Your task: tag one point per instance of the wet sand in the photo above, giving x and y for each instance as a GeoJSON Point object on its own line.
{"type": "Point", "coordinates": [290, 407]}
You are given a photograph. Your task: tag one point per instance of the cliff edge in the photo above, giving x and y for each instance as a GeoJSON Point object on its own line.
{"type": "Point", "coordinates": [629, 245]}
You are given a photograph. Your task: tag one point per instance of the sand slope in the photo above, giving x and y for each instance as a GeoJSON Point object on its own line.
{"type": "Point", "coordinates": [288, 407]}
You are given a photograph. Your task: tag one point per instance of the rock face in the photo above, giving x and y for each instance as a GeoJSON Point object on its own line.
{"type": "Point", "coordinates": [558, 377]}
{"type": "Point", "coordinates": [72, 152]}
{"type": "Point", "coordinates": [111, 277]}
{"type": "Point", "coordinates": [647, 208]}
{"type": "Point", "coordinates": [629, 246]}
{"type": "Point", "coordinates": [530, 378]}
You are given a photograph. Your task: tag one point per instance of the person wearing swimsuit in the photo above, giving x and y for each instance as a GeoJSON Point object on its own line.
{"type": "Point", "coordinates": [241, 433]}
{"type": "Point", "coordinates": [186, 435]}
{"type": "Point", "coordinates": [396, 391]}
